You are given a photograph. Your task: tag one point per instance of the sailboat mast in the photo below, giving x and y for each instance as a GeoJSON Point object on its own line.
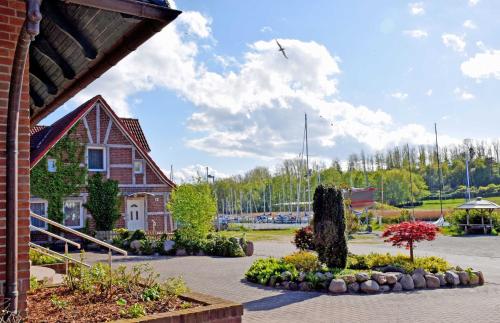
{"type": "Point", "coordinates": [307, 169]}
{"type": "Point", "coordinates": [439, 170]}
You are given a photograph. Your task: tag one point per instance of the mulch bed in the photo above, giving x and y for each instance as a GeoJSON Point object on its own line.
{"type": "Point", "coordinates": [81, 308]}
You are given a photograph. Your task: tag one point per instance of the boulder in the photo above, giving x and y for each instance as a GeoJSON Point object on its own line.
{"type": "Point", "coordinates": [407, 282]}
{"type": "Point", "coordinates": [285, 284]}
{"type": "Point", "coordinates": [305, 286]}
{"type": "Point", "coordinates": [135, 245]}
{"type": "Point", "coordinates": [337, 286]}
{"type": "Point", "coordinates": [420, 271]}
{"type": "Point", "coordinates": [451, 278]}
{"type": "Point", "coordinates": [273, 280]}
{"type": "Point", "coordinates": [418, 280]}
{"type": "Point", "coordinates": [181, 252]}
{"type": "Point", "coordinates": [353, 287]}
{"type": "Point", "coordinates": [379, 278]}
{"type": "Point", "coordinates": [442, 280]}
{"type": "Point", "coordinates": [395, 273]}
{"type": "Point", "coordinates": [391, 279]}
{"type": "Point", "coordinates": [463, 277]}
{"type": "Point", "coordinates": [397, 287]}
{"type": "Point", "coordinates": [293, 286]}
{"type": "Point", "coordinates": [302, 276]}
{"type": "Point", "coordinates": [286, 275]}
{"type": "Point", "coordinates": [480, 276]}
{"type": "Point", "coordinates": [168, 245]}
{"type": "Point", "coordinates": [432, 281]}
{"type": "Point", "coordinates": [474, 280]}
{"type": "Point", "coordinates": [385, 288]}
{"type": "Point", "coordinates": [329, 275]}
{"type": "Point", "coordinates": [362, 277]}
{"type": "Point", "coordinates": [349, 279]}
{"type": "Point", "coordinates": [369, 287]}
{"type": "Point", "coordinates": [249, 249]}
{"type": "Point", "coordinates": [320, 276]}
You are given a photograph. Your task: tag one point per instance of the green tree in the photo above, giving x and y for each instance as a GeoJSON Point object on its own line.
{"type": "Point", "coordinates": [103, 202]}
{"type": "Point", "coordinates": [193, 207]}
{"type": "Point", "coordinates": [66, 180]}
{"type": "Point", "coordinates": [329, 226]}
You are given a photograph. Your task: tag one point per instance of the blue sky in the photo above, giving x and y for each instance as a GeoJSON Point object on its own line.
{"type": "Point", "coordinates": [212, 89]}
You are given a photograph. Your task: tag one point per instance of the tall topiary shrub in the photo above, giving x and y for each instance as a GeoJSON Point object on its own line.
{"type": "Point", "coordinates": [329, 226]}
{"type": "Point", "coordinates": [103, 202]}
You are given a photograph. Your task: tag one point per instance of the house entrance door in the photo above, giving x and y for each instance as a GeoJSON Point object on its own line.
{"type": "Point", "coordinates": [135, 214]}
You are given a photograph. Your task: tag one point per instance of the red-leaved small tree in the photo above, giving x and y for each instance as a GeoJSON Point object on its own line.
{"type": "Point", "coordinates": [407, 234]}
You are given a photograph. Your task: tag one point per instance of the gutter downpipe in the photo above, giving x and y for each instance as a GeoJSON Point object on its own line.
{"type": "Point", "coordinates": [29, 30]}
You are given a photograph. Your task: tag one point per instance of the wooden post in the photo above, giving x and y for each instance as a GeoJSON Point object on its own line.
{"type": "Point", "coordinates": [482, 223]}
{"type": "Point", "coordinates": [467, 225]}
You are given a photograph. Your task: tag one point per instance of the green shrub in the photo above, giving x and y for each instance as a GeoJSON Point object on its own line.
{"type": "Point", "coordinates": [305, 261]}
{"type": "Point", "coordinates": [148, 246]}
{"type": "Point", "coordinates": [138, 235]}
{"type": "Point", "coordinates": [303, 238]}
{"type": "Point", "coordinates": [262, 269]}
{"type": "Point", "coordinates": [329, 226]}
{"type": "Point", "coordinates": [356, 262]}
{"type": "Point", "coordinates": [39, 259]}
{"type": "Point", "coordinates": [374, 260]}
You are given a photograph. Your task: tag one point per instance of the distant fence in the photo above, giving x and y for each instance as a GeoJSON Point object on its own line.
{"type": "Point", "coordinates": [110, 235]}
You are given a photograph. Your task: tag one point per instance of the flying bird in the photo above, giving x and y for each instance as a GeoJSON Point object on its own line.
{"type": "Point", "coordinates": [282, 49]}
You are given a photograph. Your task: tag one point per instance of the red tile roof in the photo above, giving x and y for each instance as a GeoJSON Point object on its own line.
{"type": "Point", "coordinates": [43, 138]}
{"type": "Point", "coordinates": [134, 127]}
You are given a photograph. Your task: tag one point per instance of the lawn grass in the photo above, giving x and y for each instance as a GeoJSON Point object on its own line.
{"type": "Point", "coordinates": [262, 235]}
{"type": "Point", "coordinates": [450, 204]}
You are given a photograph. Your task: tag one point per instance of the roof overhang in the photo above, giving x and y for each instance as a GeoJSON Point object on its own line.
{"type": "Point", "coordinates": [80, 40]}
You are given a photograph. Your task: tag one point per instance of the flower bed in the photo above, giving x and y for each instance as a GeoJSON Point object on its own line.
{"type": "Point", "coordinates": [368, 274]}
{"type": "Point", "coordinates": [99, 294]}
{"type": "Point", "coordinates": [182, 244]}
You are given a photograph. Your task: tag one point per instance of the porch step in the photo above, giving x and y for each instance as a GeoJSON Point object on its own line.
{"type": "Point", "coordinates": [43, 274]}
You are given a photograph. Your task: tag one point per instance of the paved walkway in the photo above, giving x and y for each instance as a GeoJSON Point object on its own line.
{"type": "Point", "coordinates": [223, 277]}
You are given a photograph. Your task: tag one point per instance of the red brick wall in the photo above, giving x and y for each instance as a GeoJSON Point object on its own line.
{"type": "Point", "coordinates": [12, 13]}
{"type": "Point", "coordinates": [120, 156]}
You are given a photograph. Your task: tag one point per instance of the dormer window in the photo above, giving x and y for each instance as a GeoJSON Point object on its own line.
{"type": "Point", "coordinates": [51, 165]}
{"type": "Point", "coordinates": [96, 160]}
{"type": "Point", "coordinates": [138, 166]}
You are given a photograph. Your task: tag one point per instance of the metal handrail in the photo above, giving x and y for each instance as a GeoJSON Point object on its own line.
{"type": "Point", "coordinates": [32, 227]}
{"type": "Point", "coordinates": [55, 254]}
{"type": "Point", "coordinates": [79, 234]}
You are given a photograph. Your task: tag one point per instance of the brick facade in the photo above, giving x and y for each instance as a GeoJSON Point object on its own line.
{"type": "Point", "coordinates": [12, 13]}
{"type": "Point", "coordinates": [98, 128]}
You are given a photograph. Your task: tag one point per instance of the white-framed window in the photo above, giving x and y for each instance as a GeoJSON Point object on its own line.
{"type": "Point", "coordinates": [138, 166]}
{"type": "Point", "coordinates": [39, 206]}
{"type": "Point", "coordinates": [96, 158]}
{"type": "Point", "coordinates": [51, 165]}
{"type": "Point", "coordinates": [73, 213]}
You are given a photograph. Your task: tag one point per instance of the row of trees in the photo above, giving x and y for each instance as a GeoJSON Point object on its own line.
{"type": "Point", "coordinates": [285, 189]}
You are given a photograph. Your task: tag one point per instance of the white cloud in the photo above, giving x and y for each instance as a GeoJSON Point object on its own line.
{"type": "Point", "coordinates": [399, 95]}
{"type": "Point", "coordinates": [455, 42]}
{"type": "Point", "coordinates": [416, 33]}
{"type": "Point", "coordinates": [429, 92]}
{"type": "Point", "coordinates": [255, 107]}
{"type": "Point", "coordinates": [469, 24]}
{"type": "Point", "coordinates": [463, 94]}
{"type": "Point", "coordinates": [482, 65]}
{"type": "Point", "coordinates": [472, 3]}
{"type": "Point", "coordinates": [416, 8]}
{"type": "Point", "coordinates": [266, 29]}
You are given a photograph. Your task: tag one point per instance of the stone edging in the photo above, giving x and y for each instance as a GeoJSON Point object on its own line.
{"type": "Point", "coordinates": [378, 282]}
{"type": "Point", "coordinates": [214, 309]}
